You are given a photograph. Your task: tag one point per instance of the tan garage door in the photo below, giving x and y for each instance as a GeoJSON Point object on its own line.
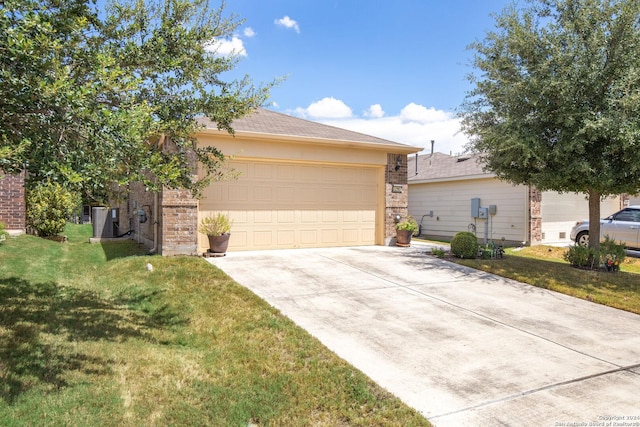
{"type": "Point", "coordinates": [277, 205]}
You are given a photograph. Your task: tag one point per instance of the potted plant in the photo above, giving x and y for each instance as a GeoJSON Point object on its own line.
{"type": "Point", "coordinates": [404, 231]}
{"type": "Point", "coordinates": [217, 228]}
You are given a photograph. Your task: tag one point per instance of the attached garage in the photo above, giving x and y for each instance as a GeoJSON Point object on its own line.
{"type": "Point", "coordinates": [290, 183]}
{"type": "Point", "coordinates": [286, 204]}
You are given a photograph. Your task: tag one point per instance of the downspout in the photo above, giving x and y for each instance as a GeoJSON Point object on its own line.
{"type": "Point", "coordinates": [155, 223]}
{"type": "Point", "coordinates": [527, 210]}
{"type": "Point", "coordinates": [155, 207]}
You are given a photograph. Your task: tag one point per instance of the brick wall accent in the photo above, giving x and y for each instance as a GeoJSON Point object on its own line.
{"type": "Point", "coordinates": [12, 202]}
{"type": "Point", "coordinates": [179, 223]}
{"type": "Point", "coordinates": [535, 216]}
{"type": "Point", "coordinates": [396, 203]}
{"type": "Point", "coordinates": [137, 198]}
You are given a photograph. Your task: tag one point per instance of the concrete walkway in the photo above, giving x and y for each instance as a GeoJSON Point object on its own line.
{"type": "Point", "coordinates": [462, 347]}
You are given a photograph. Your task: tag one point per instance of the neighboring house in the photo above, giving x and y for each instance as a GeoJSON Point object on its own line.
{"type": "Point", "coordinates": [12, 203]}
{"type": "Point", "coordinates": [441, 189]}
{"type": "Point", "coordinates": [301, 184]}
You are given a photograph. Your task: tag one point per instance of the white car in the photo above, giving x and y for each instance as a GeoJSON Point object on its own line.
{"type": "Point", "coordinates": [623, 227]}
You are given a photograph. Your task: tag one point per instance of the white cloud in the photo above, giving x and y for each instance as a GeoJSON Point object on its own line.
{"type": "Point", "coordinates": [421, 114]}
{"type": "Point", "coordinates": [415, 124]}
{"type": "Point", "coordinates": [326, 108]}
{"type": "Point", "coordinates": [225, 47]}
{"type": "Point", "coordinates": [248, 32]}
{"type": "Point", "coordinates": [375, 111]}
{"type": "Point", "coordinates": [288, 23]}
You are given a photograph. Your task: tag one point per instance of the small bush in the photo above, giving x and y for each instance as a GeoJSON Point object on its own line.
{"type": "Point", "coordinates": [464, 245]}
{"type": "Point", "coordinates": [438, 252]}
{"type": "Point", "coordinates": [49, 206]}
{"type": "Point", "coordinates": [610, 256]}
{"type": "Point", "coordinates": [581, 256]}
{"type": "Point", "coordinates": [3, 233]}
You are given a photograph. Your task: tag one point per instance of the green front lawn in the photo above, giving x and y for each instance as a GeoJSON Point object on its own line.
{"type": "Point", "coordinates": [543, 266]}
{"type": "Point", "coordinates": [89, 335]}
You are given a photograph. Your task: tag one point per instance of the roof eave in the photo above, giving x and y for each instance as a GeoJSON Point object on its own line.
{"type": "Point", "coordinates": [392, 148]}
{"type": "Point", "coordinates": [450, 178]}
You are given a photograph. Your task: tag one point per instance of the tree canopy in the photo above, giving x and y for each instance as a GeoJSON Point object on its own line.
{"type": "Point", "coordinates": [556, 98]}
{"type": "Point", "coordinates": [88, 96]}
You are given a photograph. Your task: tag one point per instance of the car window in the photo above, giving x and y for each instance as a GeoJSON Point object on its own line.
{"type": "Point", "coordinates": [632, 215]}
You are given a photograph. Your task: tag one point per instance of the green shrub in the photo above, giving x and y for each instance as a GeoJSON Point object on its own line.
{"type": "Point", "coordinates": [464, 245]}
{"type": "Point", "coordinates": [3, 233]}
{"type": "Point", "coordinates": [610, 255]}
{"type": "Point", "coordinates": [581, 256]}
{"type": "Point", "coordinates": [438, 252]}
{"type": "Point", "coordinates": [49, 206]}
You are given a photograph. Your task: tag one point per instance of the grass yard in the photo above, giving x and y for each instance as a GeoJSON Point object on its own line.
{"type": "Point", "coordinates": [543, 266]}
{"type": "Point", "coordinates": [89, 336]}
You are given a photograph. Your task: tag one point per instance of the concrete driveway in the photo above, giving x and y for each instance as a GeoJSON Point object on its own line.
{"type": "Point", "coordinates": [462, 347]}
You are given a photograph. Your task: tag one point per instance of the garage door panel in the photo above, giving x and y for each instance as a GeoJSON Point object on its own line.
{"type": "Point", "coordinates": [263, 171]}
{"type": "Point", "coordinates": [309, 237]}
{"type": "Point", "coordinates": [308, 216]}
{"type": "Point", "coordinates": [285, 237]}
{"type": "Point", "coordinates": [262, 238]}
{"type": "Point", "coordinates": [240, 238]}
{"type": "Point", "coordinates": [286, 217]}
{"type": "Point", "coordinates": [239, 193]}
{"type": "Point", "coordinates": [351, 216]}
{"type": "Point", "coordinates": [329, 236]}
{"type": "Point", "coordinates": [286, 173]}
{"type": "Point", "coordinates": [288, 205]}
{"type": "Point", "coordinates": [286, 194]}
{"type": "Point", "coordinates": [263, 217]}
{"type": "Point", "coordinates": [351, 235]}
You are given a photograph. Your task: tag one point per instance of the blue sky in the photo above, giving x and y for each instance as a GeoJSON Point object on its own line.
{"type": "Point", "coordinates": [393, 69]}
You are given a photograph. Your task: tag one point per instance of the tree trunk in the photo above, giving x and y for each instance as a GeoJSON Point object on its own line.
{"type": "Point", "coordinates": [594, 219]}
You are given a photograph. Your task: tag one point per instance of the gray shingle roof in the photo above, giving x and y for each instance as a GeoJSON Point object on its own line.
{"type": "Point", "coordinates": [268, 122]}
{"type": "Point", "coordinates": [440, 167]}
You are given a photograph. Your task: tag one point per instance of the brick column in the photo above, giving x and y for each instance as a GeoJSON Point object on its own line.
{"type": "Point", "coordinates": [396, 193]}
{"type": "Point", "coordinates": [179, 223]}
{"type": "Point", "coordinates": [12, 202]}
{"type": "Point", "coordinates": [535, 216]}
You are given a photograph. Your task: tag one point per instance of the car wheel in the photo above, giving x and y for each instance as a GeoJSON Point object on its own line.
{"type": "Point", "coordinates": [583, 238]}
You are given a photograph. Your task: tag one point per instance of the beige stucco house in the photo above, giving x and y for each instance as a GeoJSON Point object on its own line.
{"type": "Point", "coordinates": [441, 189]}
{"type": "Point", "coordinates": [300, 184]}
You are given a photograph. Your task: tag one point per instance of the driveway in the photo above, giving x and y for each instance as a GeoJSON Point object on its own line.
{"type": "Point", "coordinates": [462, 347]}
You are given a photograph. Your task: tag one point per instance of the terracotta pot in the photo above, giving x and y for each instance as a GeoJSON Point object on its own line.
{"type": "Point", "coordinates": [403, 237]}
{"type": "Point", "coordinates": [219, 244]}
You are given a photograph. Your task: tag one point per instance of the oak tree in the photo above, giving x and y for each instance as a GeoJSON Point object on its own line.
{"type": "Point", "coordinates": [89, 97]}
{"type": "Point", "coordinates": [556, 98]}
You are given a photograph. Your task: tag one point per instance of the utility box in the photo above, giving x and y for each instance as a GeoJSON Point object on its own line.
{"type": "Point", "coordinates": [475, 207]}
{"type": "Point", "coordinates": [483, 213]}
{"type": "Point", "coordinates": [493, 209]}
{"type": "Point", "coordinates": [105, 222]}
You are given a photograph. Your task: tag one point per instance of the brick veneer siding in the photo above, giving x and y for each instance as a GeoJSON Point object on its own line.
{"type": "Point", "coordinates": [12, 202]}
{"type": "Point", "coordinates": [535, 216]}
{"type": "Point", "coordinates": [395, 203]}
{"type": "Point", "coordinates": [138, 198]}
{"type": "Point", "coordinates": [179, 223]}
